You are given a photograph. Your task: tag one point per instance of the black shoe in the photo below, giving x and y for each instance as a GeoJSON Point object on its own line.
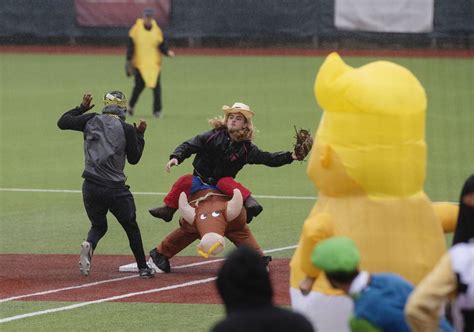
{"type": "Point", "coordinates": [253, 208]}
{"type": "Point", "coordinates": [165, 212]}
{"type": "Point", "coordinates": [267, 259]}
{"type": "Point", "coordinates": [146, 273]}
{"type": "Point", "coordinates": [160, 261]}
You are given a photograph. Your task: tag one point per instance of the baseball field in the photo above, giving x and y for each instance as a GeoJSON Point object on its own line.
{"type": "Point", "coordinates": [42, 218]}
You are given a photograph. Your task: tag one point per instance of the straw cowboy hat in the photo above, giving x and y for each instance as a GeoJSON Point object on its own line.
{"type": "Point", "coordinates": [239, 108]}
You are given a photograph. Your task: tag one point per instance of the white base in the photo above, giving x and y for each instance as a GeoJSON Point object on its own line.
{"type": "Point", "coordinates": [132, 267]}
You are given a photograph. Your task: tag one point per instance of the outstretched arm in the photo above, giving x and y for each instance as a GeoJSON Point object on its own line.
{"type": "Point", "coordinates": [447, 214]}
{"type": "Point", "coordinates": [275, 159]}
{"type": "Point", "coordinates": [191, 146]}
{"type": "Point", "coordinates": [134, 136]}
{"type": "Point", "coordinates": [75, 119]}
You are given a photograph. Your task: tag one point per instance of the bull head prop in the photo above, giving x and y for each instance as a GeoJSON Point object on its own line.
{"type": "Point", "coordinates": [211, 219]}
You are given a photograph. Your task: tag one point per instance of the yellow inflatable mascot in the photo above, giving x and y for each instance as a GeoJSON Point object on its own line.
{"type": "Point", "coordinates": [368, 162]}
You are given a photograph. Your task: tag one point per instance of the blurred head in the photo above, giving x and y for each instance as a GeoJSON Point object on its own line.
{"type": "Point", "coordinates": [115, 103]}
{"type": "Point", "coordinates": [339, 258]}
{"type": "Point", "coordinates": [374, 126]}
{"type": "Point", "coordinates": [148, 14]}
{"type": "Point", "coordinates": [243, 280]}
{"type": "Point", "coordinates": [115, 98]}
{"type": "Point", "coordinates": [237, 120]}
{"type": "Point", "coordinates": [465, 225]}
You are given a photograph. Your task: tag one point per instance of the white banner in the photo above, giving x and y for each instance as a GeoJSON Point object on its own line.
{"type": "Point", "coordinates": [412, 16]}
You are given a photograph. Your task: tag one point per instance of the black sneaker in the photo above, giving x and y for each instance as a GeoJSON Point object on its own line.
{"type": "Point", "coordinates": [267, 259]}
{"type": "Point", "coordinates": [146, 273]}
{"type": "Point", "coordinates": [160, 261]}
{"type": "Point", "coordinates": [164, 212]}
{"type": "Point", "coordinates": [253, 208]}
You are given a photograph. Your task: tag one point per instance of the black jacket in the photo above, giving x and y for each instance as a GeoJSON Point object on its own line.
{"type": "Point", "coordinates": [217, 156]}
{"type": "Point", "coordinates": [108, 141]}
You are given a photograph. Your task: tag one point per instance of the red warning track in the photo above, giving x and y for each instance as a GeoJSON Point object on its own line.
{"type": "Point", "coordinates": [22, 275]}
{"type": "Point", "coordinates": [420, 53]}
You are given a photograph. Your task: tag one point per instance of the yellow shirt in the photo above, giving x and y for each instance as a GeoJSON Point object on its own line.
{"type": "Point", "coordinates": [146, 55]}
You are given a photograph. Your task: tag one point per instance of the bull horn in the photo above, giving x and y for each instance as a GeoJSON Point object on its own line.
{"type": "Point", "coordinates": [187, 211]}
{"type": "Point", "coordinates": [234, 206]}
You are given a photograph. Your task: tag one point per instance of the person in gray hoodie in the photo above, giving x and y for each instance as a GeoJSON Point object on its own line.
{"type": "Point", "coordinates": [108, 141]}
{"type": "Point", "coordinates": [243, 282]}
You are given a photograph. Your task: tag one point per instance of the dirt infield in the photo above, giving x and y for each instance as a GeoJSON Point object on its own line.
{"type": "Point", "coordinates": [421, 53]}
{"type": "Point", "coordinates": [57, 278]}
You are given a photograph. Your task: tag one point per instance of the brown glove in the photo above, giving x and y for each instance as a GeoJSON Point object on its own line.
{"type": "Point", "coordinates": [304, 143]}
{"type": "Point", "coordinates": [86, 102]}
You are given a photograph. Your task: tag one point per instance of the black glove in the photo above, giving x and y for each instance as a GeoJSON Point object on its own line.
{"type": "Point", "coordinates": [141, 126]}
{"type": "Point", "coordinates": [86, 103]}
{"type": "Point", "coordinates": [129, 70]}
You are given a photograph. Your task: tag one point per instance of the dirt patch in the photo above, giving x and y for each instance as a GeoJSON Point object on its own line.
{"type": "Point", "coordinates": [22, 275]}
{"type": "Point", "coordinates": [422, 53]}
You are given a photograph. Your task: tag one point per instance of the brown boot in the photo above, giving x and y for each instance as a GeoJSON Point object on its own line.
{"type": "Point", "coordinates": [164, 212]}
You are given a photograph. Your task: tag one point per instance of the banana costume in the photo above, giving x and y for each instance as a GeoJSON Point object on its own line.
{"type": "Point", "coordinates": [369, 162]}
{"type": "Point", "coordinates": [147, 56]}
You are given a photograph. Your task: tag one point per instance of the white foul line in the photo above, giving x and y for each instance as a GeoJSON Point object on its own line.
{"type": "Point", "coordinates": [118, 297]}
{"type": "Point", "coordinates": [144, 193]}
{"type": "Point", "coordinates": [92, 284]}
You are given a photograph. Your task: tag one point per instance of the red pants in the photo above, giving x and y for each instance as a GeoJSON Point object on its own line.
{"type": "Point", "coordinates": [225, 185]}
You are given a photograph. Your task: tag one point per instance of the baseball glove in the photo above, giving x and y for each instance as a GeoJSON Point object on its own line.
{"type": "Point", "coordinates": [304, 143]}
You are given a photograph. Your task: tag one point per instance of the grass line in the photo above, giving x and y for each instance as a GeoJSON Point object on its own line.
{"type": "Point", "coordinates": [68, 191]}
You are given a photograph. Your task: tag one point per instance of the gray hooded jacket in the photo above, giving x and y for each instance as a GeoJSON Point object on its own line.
{"type": "Point", "coordinates": [108, 140]}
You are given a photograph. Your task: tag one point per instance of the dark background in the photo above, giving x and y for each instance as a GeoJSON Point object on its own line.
{"type": "Point", "coordinates": [234, 23]}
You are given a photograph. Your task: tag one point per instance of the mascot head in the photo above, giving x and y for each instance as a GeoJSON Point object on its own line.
{"type": "Point", "coordinates": [371, 136]}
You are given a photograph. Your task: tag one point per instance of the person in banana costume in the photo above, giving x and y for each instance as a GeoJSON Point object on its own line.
{"type": "Point", "coordinates": [369, 164]}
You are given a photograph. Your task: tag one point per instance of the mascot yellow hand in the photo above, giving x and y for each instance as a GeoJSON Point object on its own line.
{"type": "Point", "coordinates": [368, 163]}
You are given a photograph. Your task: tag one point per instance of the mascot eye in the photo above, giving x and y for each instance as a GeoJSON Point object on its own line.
{"type": "Point", "coordinates": [203, 216]}
{"type": "Point", "coordinates": [216, 214]}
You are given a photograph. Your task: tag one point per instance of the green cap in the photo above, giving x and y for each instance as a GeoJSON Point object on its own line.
{"type": "Point", "coordinates": [336, 254]}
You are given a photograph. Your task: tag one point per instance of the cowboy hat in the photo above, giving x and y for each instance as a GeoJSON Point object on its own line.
{"type": "Point", "coordinates": [239, 108]}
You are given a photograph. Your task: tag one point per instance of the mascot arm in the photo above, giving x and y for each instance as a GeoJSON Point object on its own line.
{"type": "Point", "coordinates": [315, 229]}
{"type": "Point", "coordinates": [447, 214]}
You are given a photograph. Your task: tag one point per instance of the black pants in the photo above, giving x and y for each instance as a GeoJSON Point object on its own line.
{"type": "Point", "coordinates": [138, 88]}
{"type": "Point", "coordinates": [98, 200]}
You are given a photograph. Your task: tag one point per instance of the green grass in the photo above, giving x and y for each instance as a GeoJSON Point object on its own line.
{"type": "Point", "coordinates": [112, 317]}
{"type": "Point", "coordinates": [36, 89]}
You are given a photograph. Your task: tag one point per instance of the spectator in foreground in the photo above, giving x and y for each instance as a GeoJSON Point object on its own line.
{"type": "Point", "coordinates": [451, 279]}
{"type": "Point", "coordinates": [379, 298]}
{"type": "Point", "coordinates": [465, 224]}
{"type": "Point", "coordinates": [244, 284]}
